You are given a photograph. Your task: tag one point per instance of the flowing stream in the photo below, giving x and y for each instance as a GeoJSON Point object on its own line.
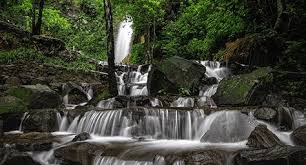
{"type": "Point", "coordinates": [145, 135]}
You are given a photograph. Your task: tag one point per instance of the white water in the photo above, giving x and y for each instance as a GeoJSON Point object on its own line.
{"type": "Point", "coordinates": [124, 39]}
{"type": "Point", "coordinates": [152, 123]}
{"type": "Point", "coordinates": [133, 83]}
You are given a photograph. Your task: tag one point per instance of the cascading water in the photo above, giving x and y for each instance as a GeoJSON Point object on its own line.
{"type": "Point", "coordinates": [84, 88]}
{"type": "Point", "coordinates": [124, 40]}
{"type": "Point", "coordinates": [150, 123]}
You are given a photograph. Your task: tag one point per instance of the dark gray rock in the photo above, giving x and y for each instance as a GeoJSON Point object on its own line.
{"type": "Point", "coordinates": [267, 114]}
{"type": "Point", "coordinates": [78, 153]}
{"type": "Point", "coordinates": [44, 120]}
{"type": "Point", "coordinates": [261, 137]}
{"type": "Point", "coordinates": [180, 72]}
{"type": "Point", "coordinates": [81, 137]}
{"type": "Point", "coordinates": [36, 96]}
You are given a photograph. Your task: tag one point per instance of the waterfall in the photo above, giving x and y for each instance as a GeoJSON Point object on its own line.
{"type": "Point", "coordinates": [150, 123]}
{"type": "Point", "coordinates": [124, 39]}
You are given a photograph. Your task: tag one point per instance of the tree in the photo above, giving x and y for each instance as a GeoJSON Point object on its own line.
{"type": "Point", "coordinates": [36, 26]}
{"type": "Point", "coordinates": [110, 48]}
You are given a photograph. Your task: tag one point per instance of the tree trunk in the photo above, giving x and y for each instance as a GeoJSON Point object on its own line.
{"type": "Point", "coordinates": [33, 16]}
{"type": "Point", "coordinates": [110, 48]}
{"type": "Point", "coordinates": [39, 19]}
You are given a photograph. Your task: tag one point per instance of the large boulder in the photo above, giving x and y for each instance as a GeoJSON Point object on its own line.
{"type": "Point", "coordinates": [10, 104]}
{"type": "Point", "coordinates": [261, 137]}
{"type": "Point", "coordinates": [245, 89]}
{"type": "Point", "coordinates": [81, 137]}
{"type": "Point", "coordinates": [36, 96]}
{"type": "Point", "coordinates": [78, 153]}
{"type": "Point", "coordinates": [44, 120]}
{"type": "Point", "coordinates": [180, 72]}
{"type": "Point", "coordinates": [299, 136]}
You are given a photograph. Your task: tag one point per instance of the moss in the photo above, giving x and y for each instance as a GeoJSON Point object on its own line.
{"type": "Point", "coordinates": [21, 93]}
{"type": "Point", "coordinates": [105, 94]}
{"type": "Point", "coordinates": [11, 104]}
{"type": "Point", "coordinates": [239, 89]}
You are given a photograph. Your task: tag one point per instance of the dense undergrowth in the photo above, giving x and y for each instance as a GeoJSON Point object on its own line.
{"type": "Point", "coordinates": [193, 29]}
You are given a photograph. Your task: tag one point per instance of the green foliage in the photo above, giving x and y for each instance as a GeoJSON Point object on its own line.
{"type": "Point", "coordinates": [137, 53]}
{"type": "Point", "coordinates": [19, 54]}
{"type": "Point", "coordinates": [184, 92]}
{"type": "Point", "coordinates": [201, 28]}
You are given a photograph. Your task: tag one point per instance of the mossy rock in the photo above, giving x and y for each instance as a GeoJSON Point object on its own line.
{"type": "Point", "coordinates": [36, 96]}
{"type": "Point", "coordinates": [245, 89]}
{"type": "Point", "coordinates": [104, 94]}
{"type": "Point", "coordinates": [42, 120]}
{"type": "Point", "coordinates": [11, 104]}
{"type": "Point", "coordinates": [183, 73]}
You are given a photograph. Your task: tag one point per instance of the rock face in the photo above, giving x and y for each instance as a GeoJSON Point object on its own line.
{"type": "Point", "coordinates": [11, 104]}
{"type": "Point", "coordinates": [245, 89]}
{"type": "Point", "coordinates": [78, 153]}
{"type": "Point", "coordinates": [20, 159]}
{"type": "Point", "coordinates": [261, 137]}
{"type": "Point", "coordinates": [180, 72]}
{"type": "Point", "coordinates": [209, 157]}
{"type": "Point", "coordinates": [265, 113]}
{"type": "Point", "coordinates": [44, 120]}
{"type": "Point", "coordinates": [36, 96]}
{"type": "Point", "coordinates": [299, 136]}
{"type": "Point", "coordinates": [11, 121]}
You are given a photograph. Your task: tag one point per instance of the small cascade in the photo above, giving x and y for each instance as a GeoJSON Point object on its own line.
{"type": "Point", "coordinates": [150, 123]}
{"type": "Point", "coordinates": [183, 102]}
{"type": "Point", "coordinates": [298, 119]}
{"type": "Point", "coordinates": [22, 119]}
{"type": "Point", "coordinates": [156, 103]}
{"type": "Point", "coordinates": [124, 39]}
{"type": "Point", "coordinates": [133, 82]}
{"type": "Point", "coordinates": [106, 104]}
{"type": "Point", "coordinates": [63, 123]}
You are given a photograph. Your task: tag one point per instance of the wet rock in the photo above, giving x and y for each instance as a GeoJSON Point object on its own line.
{"type": "Point", "coordinates": [229, 127]}
{"type": "Point", "coordinates": [20, 159]}
{"type": "Point", "coordinates": [44, 120]}
{"type": "Point", "coordinates": [265, 113]}
{"type": "Point", "coordinates": [245, 89]}
{"type": "Point", "coordinates": [261, 137]}
{"type": "Point", "coordinates": [209, 81]}
{"type": "Point", "coordinates": [81, 137]}
{"type": "Point", "coordinates": [209, 157]}
{"type": "Point", "coordinates": [13, 81]}
{"type": "Point", "coordinates": [299, 136]}
{"type": "Point", "coordinates": [278, 155]}
{"type": "Point", "coordinates": [11, 104]}
{"type": "Point", "coordinates": [36, 96]}
{"type": "Point", "coordinates": [159, 84]}
{"type": "Point", "coordinates": [182, 73]}
{"type": "Point", "coordinates": [11, 121]}
{"type": "Point", "coordinates": [33, 141]}
{"type": "Point", "coordinates": [81, 153]}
